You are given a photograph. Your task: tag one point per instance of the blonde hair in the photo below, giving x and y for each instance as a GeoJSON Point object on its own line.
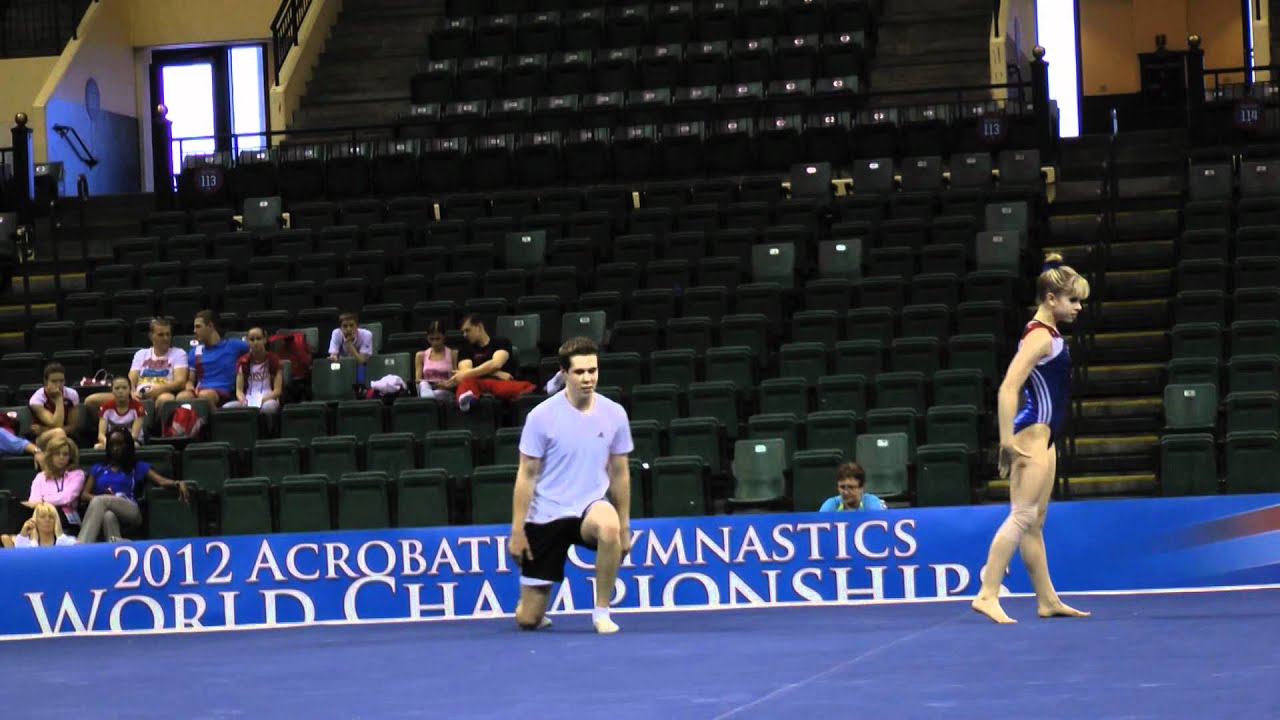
{"type": "Point", "coordinates": [1060, 279]}
{"type": "Point", "coordinates": [45, 508]}
{"type": "Point", "coordinates": [57, 444]}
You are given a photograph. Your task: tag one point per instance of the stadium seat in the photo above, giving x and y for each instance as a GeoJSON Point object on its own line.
{"type": "Point", "coordinates": [362, 501]}
{"type": "Point", "coordinates": [246, 507]}
{"type": "Point", "coordinates": [304, 504]}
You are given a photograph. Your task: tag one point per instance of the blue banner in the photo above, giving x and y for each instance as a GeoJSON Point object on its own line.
{"type": "Point", "coordinates": [736, 561]}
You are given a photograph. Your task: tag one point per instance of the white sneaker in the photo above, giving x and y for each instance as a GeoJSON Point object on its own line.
{"type": "Point", "coordinates": [464, 402]}
{"type": "Point", "coordinates": [606, 626]}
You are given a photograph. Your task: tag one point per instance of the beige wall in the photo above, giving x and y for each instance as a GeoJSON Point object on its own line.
{"type": "Point", "coordinates": [284, 98]}
{"type": "Point", "coordinates": [180, 22]}
{"type": "Point", "coordinates": [23, 78]}
{"type": "Point", "coordinates": [1113, 32]}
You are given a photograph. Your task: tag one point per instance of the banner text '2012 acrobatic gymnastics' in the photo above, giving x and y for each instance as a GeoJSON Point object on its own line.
{"type": "Point", "coordinates": [737, 561]}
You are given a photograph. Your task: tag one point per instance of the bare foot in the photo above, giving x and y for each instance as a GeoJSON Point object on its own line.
{"type": "Point", "coordinates": [1061, 610]}
{"type": "Point", "coordinates": [991, 608]}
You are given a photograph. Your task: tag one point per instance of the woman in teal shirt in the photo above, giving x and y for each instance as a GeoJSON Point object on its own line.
{"type": "Point", "coordinates": [851, 481]}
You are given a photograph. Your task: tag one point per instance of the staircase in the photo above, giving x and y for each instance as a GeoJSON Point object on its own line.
{"type": "Point", "coordinates": [1119, 409]}
{"type": "Point", "coordinates": [362, 77]}
{"type": "Point", "coordinates": [924, 44]}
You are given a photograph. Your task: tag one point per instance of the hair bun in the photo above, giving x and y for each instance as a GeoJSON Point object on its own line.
{"type": "Point", "coordinates": [1052, 261]}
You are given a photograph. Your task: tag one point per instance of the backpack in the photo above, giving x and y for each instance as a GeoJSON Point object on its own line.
{"type": "Point", "coordinates": [292, 346]}
{"type": "Point", "coordinates": [185, 423]}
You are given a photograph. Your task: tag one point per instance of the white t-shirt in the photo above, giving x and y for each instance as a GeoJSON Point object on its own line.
{"type": "Point", "coordinates": [259, 382]}
{"type": "Point", "coordinates": [338, 346]}
{"type": "Point", "coordinates": [575, 450]}
{"type": "Point", "coordinates": [40, 399]}
{"type": "Point", "coordinates": [22, 541]}
{"type": "Point", "coordinates": [154, 370]}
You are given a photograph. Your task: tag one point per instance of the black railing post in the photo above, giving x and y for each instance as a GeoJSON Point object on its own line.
{"type": "Point", "coordinates": [1195, 88]}
{"type": "Point", "coordinates": [1042, 111]}
{"type": "Point", "coordinates": [162, 158]}
{"type": "Point", "coordinates": [23, 170]}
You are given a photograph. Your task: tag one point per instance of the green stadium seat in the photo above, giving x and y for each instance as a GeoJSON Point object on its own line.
{"type": "Point", "coordinates": [974, 352]}
{"type": "Point", "coordinates": [916, 354]}
{"type": "Point", "coordinates": [832, 430]}
{"type": "Point", "coordinates": [524, 332]}
{"type": "Point", "coordinates": [889, 421]}
{"type": "Point", "coordinates": [399, 364]}
{"type": "Point", "coordinates": [16, 474]}
{"type": "Point", "coordinates": [208, 464]}
{"type": "Point", "coordinates": [1251, 461]}
{"type": "Point", "coordinates": [646, 435]}
{"type": "Point", "coordinates": [625, 370]}
{"type": "Point", "coordinates": [449, 450]}
{"type": "Point", "coordinates": [304, 504]}
{"type": "Point", "coordinates": [678, 486]}
{"type": "Point", "coordinates": [871, 323]}
{"type": "Point", "coordinates": [492, 487]}
{"type": "Point", "coordinates": [718, 399]}
{"type": "Point", "coordinates": [813, 478]}
{"type": "Point", "coordinates": [590, 324]}
{"type": "Point", "coordinates": [1188, 464]}
{"type": "Point", "coordinates": [391, 453]}
{"type": "Point", "coordinates": [1197, 340]}
{"type": "Point", "coordinates": [696, 437]}
{"type": "Point", "coordinates": [659, 402]}
{"type": "Point", "coordinates": [416, 416]}
{"type": "Point", "coordinates": [959, 387]}
{"type": "Point", "coordinates": [760, 472]}
{"type": "Point", "coordinates": [943, 477]}
{"type": "Point", "coordinates": [746, 330]}
{"type": "Point", "coordinates": [1190, 408]}
{"type": "Point", "coordinates": [506, 446]}
{"type": "Point", "coordinates": [359, 419]}
{"type": "Point", "coordinates": [860, 357]}
{"type": "Point", "coordinates": [1194, 371]}
{"type": "Point", "coordinates": [731, 363]}
{"type": "Point", "coordinates": [807, 360]}
{"type": "Point", "coordinates": [277, 459]}
{"type": "Point", "coordinates": [334, 456]}
{"type": "Point", "coordinates": [784, 395]}
{"type": "Point", "coordinates": [780, 426]}
{"type": "Point", "coordinates": [953, 425]}
{"type": "Point", "coordinates": [161, 458]}
{"type": "Point", "coordinates": [237, 427]}
{"type": "Point", "coordinates": [901, 390]}
{"type": "Point", "coordinates": [246, 507]}
{"type": "Point", "coordinates": [1253, 373]}
{"type": "Point", "coordinates": [842, 392]}
{"type": "Point", "coordinates": [422, 498]}
{"type": "Point", "coordinates": [304, 421]}
{"type": "Point", "coordinates": [840, 258]}
{"type": "Point", "coordinates": [1255, 337]}
{"type": "Point", "coordinates": [1252, 411]}
{"type": "Point", "coordinates": [362, 501]}
{"type": "Point", "coordinates": [885, 458]}
{"type": "Point", "coordinates": [169, 516]}
{"type": "Point", "coordinates": [333, 381]}
{"type": "Point", "coordinates": [639, 488]}
{"type": "Point", "coordinates": [677, 367]}
{"type": "Point", "coordinates": [816, 326]}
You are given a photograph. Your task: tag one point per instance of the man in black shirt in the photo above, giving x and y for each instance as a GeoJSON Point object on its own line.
{"type": "Point", "coordinates": [481, 367]}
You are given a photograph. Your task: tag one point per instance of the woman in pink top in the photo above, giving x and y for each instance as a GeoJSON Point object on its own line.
{"type": "Point", "coordinates": [62, 480]}
{"type": "Point", "coordinates": [435, 365]}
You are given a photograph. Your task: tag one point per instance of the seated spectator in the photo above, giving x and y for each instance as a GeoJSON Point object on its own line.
{"type": "Point", "coordinates": [851, 481]}
{"type": "Point", "coordinates": [435, 365]}
{"type": "Point", "coordinates": [351, 340]}
{"type": "Point", "coordinates": [481, 367]}
{"type": "Point", "coordinates": [113, 488]}
{"type": "Point", "coordinates": [13, 444]}
{"type": "Point", "coordinates": [259, 376]}
{"type": "Point", "coordinates": [55, 408]}
{"type": "Point", "coordinates": [158, 373]}
{"type": "Point", "coordinates": [61, 482]}
{"type": "Point", "coordinates": [123, 410]}
{"type": "Point", "coordinates": [44, 529]}
{"type": "Point", "coordinates": [213, 360]}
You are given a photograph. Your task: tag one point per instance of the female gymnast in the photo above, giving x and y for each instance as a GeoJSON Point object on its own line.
{"type": "Point", "coordinates": [1041, 369]}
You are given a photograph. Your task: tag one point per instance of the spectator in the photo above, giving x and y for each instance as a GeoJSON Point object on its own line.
{"type": "Point", "coordinates": [481, 367]}
{"type": "Point", "coordinates": [160, 372]}
{"type": "Point", "coordinates": [123, 410]}
{"type": "Point", "coordinates": [214, 361]}
{"type": "Point", "coordinates": [851, 481]}
{"type": "Point", "coordinates": [61, 482]}
{"type": "Point", "coordinates": [11, 443]}
{"type": "Point", "coordinates": [435, 365]}
{"type": "Point", "coordinates": [259, 376]}
{"type": "Point", "coordinates": [55, 408]}
{"type": "Point", "coordinates": [351, 340]}
{"type": "Point", "coordinates": [114, 487]}
{"type": "Point", "coordinates": [44, 529]}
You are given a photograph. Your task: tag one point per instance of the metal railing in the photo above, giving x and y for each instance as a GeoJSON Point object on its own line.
{"type": "Point", "coordinates": [39, 28]}
{"type": "Point", "coordinates": [284, 30]}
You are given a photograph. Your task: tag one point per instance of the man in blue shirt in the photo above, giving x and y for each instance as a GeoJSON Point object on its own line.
{"type": "Point", "coordinates": [212, 362]}
{"type": "Point", "coordinates": [851, 481]}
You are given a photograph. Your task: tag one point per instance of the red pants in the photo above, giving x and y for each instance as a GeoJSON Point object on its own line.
{"type": "Point", "coordinates": [501, 389]}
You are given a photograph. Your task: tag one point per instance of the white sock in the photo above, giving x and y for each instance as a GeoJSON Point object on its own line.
{"type": "Point", "coordinates": [598, 614]}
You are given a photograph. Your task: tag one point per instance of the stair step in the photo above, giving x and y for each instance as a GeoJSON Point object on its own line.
{"type": "Point", "coordinates": [1143, 346]}
{"type": "Point", "coordinates": [1112, 379]}
{"type": "Point", "coordinates": [911, 34]}
{"type": "Point", "coordinates": [1092, 485]}
{"type": "Point", "coordinates": [1128, 255]}
{"type": "Point", "coordinates": [1138, 284]}
{"type": "Point", "coordinates": [1129, 315]}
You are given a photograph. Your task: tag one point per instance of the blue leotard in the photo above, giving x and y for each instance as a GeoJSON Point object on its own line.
{"type": "Point", "coordinates": [1047, 392]}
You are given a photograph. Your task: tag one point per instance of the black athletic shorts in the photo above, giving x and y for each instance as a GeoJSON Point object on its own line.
{"type": "Point", "coordinates": [550, 543]}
